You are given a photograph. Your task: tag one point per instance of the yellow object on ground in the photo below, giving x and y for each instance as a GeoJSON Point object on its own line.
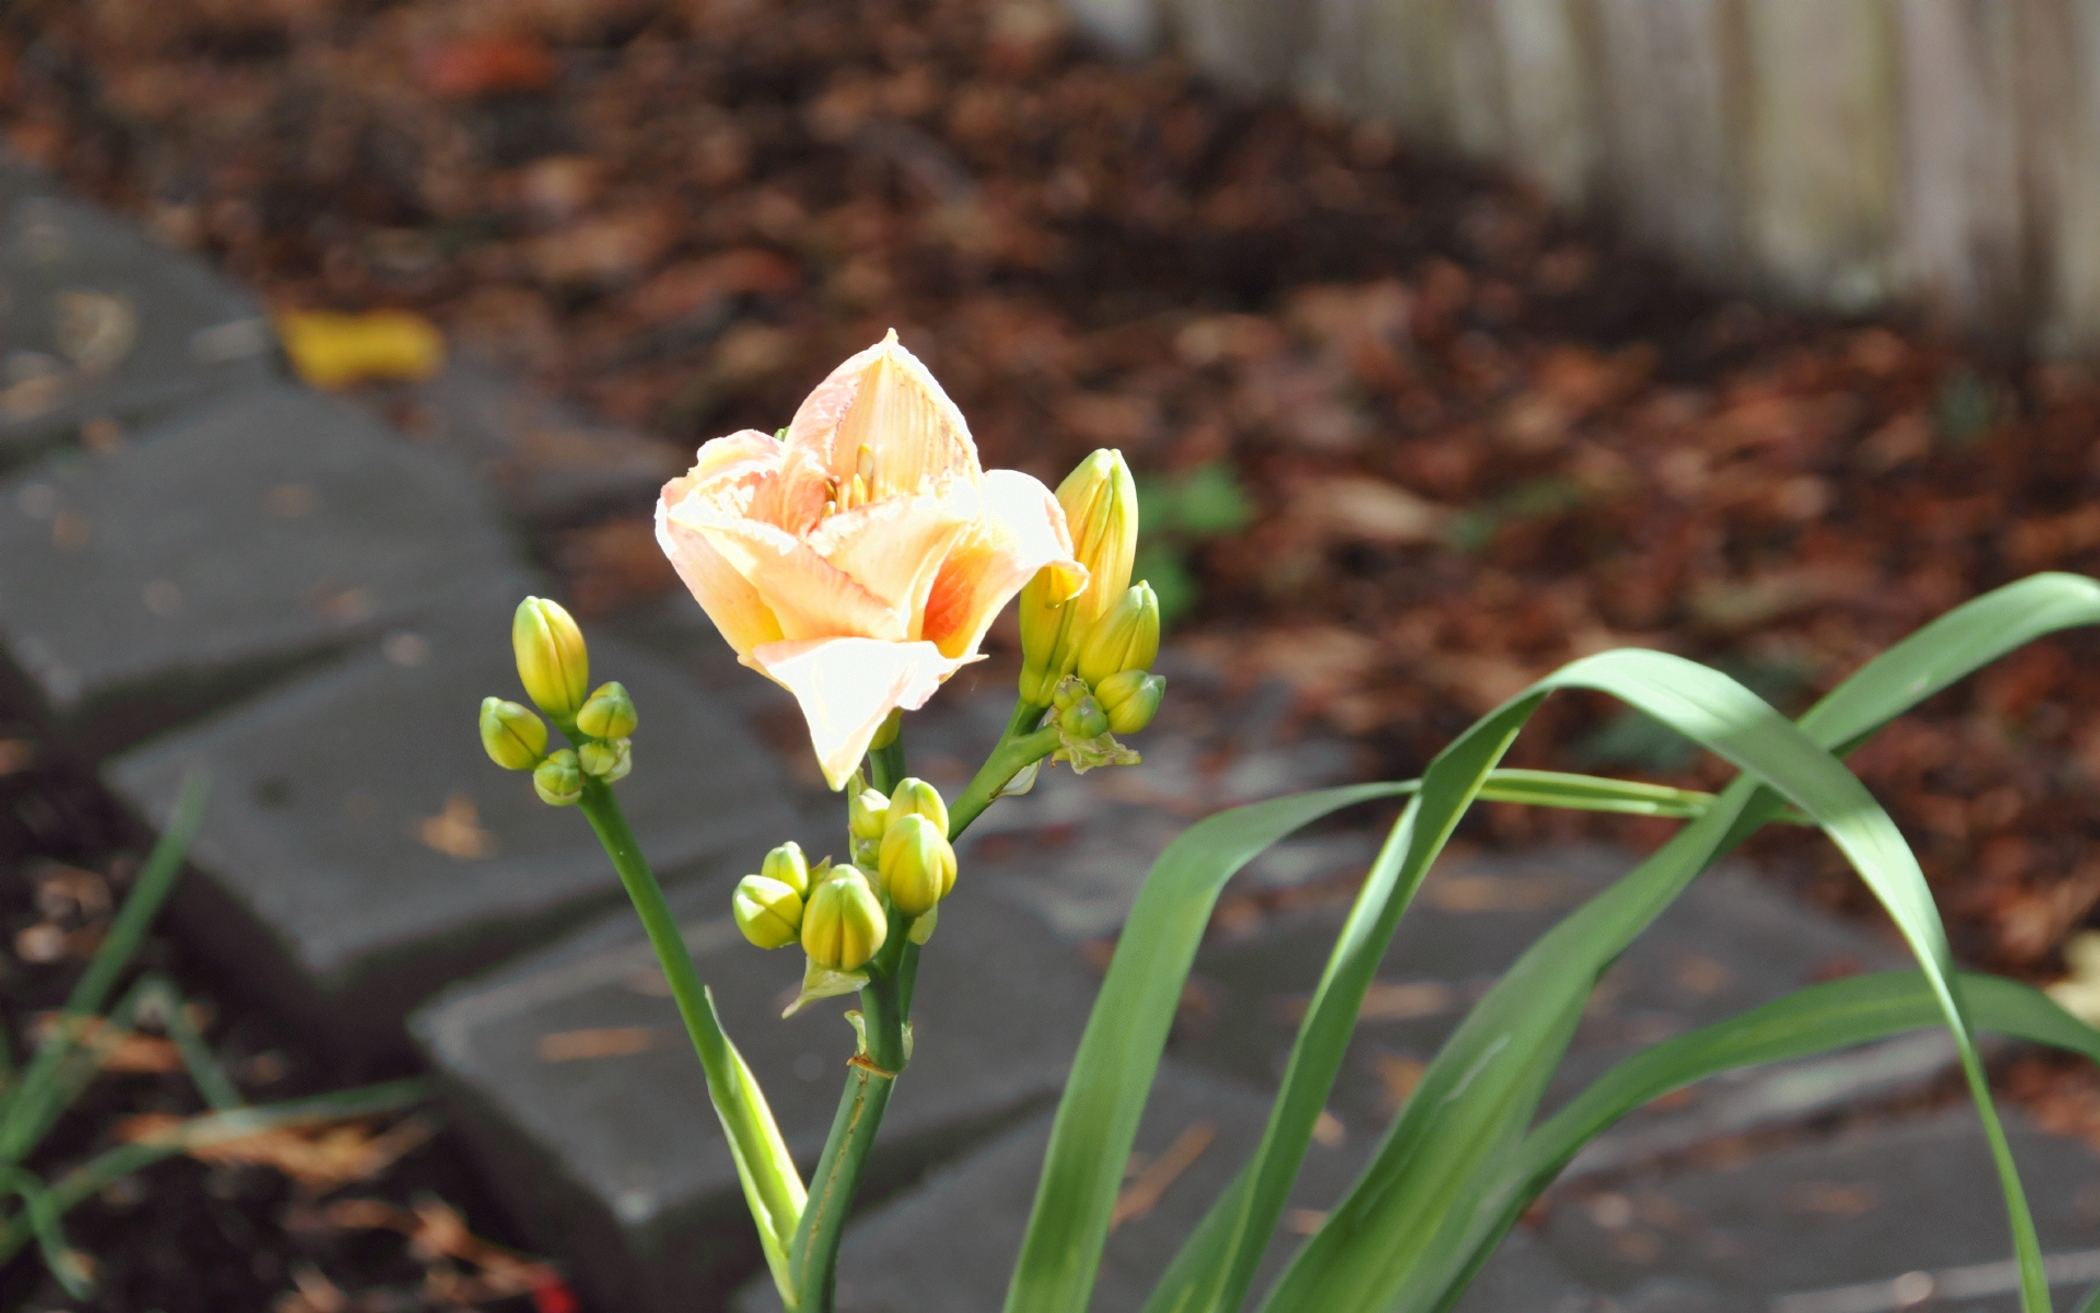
{"type": "Point", "coordinates": [331, 350]}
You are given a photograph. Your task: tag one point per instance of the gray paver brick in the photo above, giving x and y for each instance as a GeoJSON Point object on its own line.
{"type": "Point", "coordinates": [1866, 1205]}
{"type": "Point", "coordinates": [1728, 944]}
{"type": "Point", "coordinates": [949, 1246]}
{"type": "Point", "coordinates": [617, 1164]}
{"type": "Point", "coordinates": [145, 586]}
{"type": "Point", "coordinates": [319, 878]}
{"type": "Point", "coordinates": [546, 462]}
{"type": "Point", "coordinates": [99, 321]}
{"type": "Point", "coordinates": [18, 181]}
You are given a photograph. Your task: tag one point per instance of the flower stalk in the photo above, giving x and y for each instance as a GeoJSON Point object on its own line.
{"type": "Point", "coordinates": [772, 1187]}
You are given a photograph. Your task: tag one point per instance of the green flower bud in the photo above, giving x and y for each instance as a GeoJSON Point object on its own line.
{"type": "Point", "coordinates": [1084, 719]}
{"type": "Point", "coordinates": [514, 738]}
{"type": "Point", "coordinates": [867, 815]}
{"type": "Point", "coordinates": [843, 925]}
{"type": "Point", "coordinates": [559, 779]}
{"type": "Point", "coordinates": [608, 713]}
{"type": "Point", "coordinates": [608, 761]}
{"type": "Point", "coordinates": [787, 865]}
{"type": "Point", "coordinates": [552, 661]}
{"type": "Point", "coordinates": [1068, 692]}
{"type": "Point", "coordinates": [1127, 638]}
{"type": "Point", "coordinates": [1131, 698]}
{"type": "Point", "coordinates": [767, 911]}
{"type": "Point", "coordinates": [1100, 504]}
{"type": "Point", "coordinates": [916, 797]}
{"type": "Point", "coordinates": [917, 865]}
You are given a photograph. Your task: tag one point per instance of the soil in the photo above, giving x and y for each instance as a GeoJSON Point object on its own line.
{"type": "Point", "coordinates": [187, 1236]}
{"type": "Point", "coordinates": [1410, 437]}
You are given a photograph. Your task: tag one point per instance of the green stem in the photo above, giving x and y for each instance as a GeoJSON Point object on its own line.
{"type": "Point", "coordinates": [770, 1184]}
{"type": "Point", "coordinates": [885, 1005]}
{"type": "Point", "coordinates": [886, 766]}
{"type": "Point", "coordinates": [1020, 747]}
{"type": "Point", "coordinates": [870, 1078]}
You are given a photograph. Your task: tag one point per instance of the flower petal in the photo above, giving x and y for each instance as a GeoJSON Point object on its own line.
{"type": "Point", "coordinates": [742, 455]}
{"type": "Point", "coordinates": [884, 399]}
{"type": "Point", "coordinates": [895, 548]}
{"type": "Point", "coordinates": [727, 597]}
{"type": "Point", "coordinates": [1023, 531]}
{"type": "Point", "coordinates": [848, 687]}
{"type": "Point", "coordinates": [809, 596]}
{"type": "Point", "coordinates": [724, 475]}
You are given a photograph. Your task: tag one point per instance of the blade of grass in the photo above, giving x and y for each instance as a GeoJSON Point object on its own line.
{"type": "Point", "coordinates": [40, 1211]}
{"type": "Point", "coordinates": [165, 1005]}
{"type": "Point", "coordinates": [28, 1110]}
{"type": "Point", "coordinates": [1112, 1073]}
{"type": "Point", "coordinates": [155, 882]}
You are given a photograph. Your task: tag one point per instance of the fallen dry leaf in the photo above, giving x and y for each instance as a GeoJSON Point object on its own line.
{"type": "Point", "coordinates": [456, 831]}
{"type": "Point", "coordinates": [1144, 1193]}
{"type": "Point", "coordinates": [436, 1232]}
{"type": "Point", "coordinates": [602, 1042]}
{"type": "Point", "coordinates": [1398, 1075]}
{"type": "Point", "coordinates": [487, 65]}
{"type": "Point", "coordinates": [318, 1158]}
{"type": "Point", "coordinates": [1359, 509]}
{"type": "Point", "coordinates": [125, 1052]}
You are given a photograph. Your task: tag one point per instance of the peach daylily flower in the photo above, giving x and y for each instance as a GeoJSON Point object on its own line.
{"type": "Point", "coordinates": [858, 561]}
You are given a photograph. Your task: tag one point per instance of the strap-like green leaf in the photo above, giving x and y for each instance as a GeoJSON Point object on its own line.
{"type": "Point", "coordinates": [1806, 1022]}
{"type": "Point", "coordinates": [1118, 1056]}
{"type": "Point", "coordinates": [1523, 1012]}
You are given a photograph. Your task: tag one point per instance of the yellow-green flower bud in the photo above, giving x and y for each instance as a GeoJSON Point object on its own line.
{"type": "Point", "coordinates": [1127, 638]}
{"type": "Point", "coordinates": [608, 761]}
{"type": "Point", "coordinates": [1131, 698]}
{"type": "Point", "coordinates": [1084, 719]}
{"type": "Point", "coordinates": [867, 815]}
{"type": "Point", "coordinates": [1100, 504]}
{"type": "Point", "coordinates": [559, 779]}
{"type": "Point", "coordinates": [552, 661]}
{"type": "Point", "coordinates": [608, 713]}
{"type": "Point", "coordinates": [514, 737]}
{"type": "Point", "coordinates": [917, 865]}
{"type": "Point", "coordinates": [842, 924]}
{"type": "Point", "coordinates": [767, 911]}
{"type": "Point", "coordinates": [787, 865]}
{"type": "Point", "coordinates": [915, 797]}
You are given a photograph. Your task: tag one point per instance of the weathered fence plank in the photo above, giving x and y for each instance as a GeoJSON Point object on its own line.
{"type": "Point", "coordinates": [1839, 153]}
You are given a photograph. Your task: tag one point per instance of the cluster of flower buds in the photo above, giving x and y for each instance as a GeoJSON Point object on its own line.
{"type": "Point", "coordinates": [1099, 499]}
{"type": "Point", "coordinates": [1089, 659]}
{"type": "Point", "coordinates": [838, 915]}
{"type": "Point", "coordinates": [832, 911]}
{"type": "Point", "coordinates": [555, 668]}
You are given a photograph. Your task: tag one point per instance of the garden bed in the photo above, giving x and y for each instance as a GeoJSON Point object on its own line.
{"type": "Point", "coordinates": [1410, 438]}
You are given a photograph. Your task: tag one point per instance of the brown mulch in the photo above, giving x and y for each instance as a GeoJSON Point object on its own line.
{"type": "Point", "coordinates": [380, 1215]}
{"type": "Point", "coordinates": [1478, 439]}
